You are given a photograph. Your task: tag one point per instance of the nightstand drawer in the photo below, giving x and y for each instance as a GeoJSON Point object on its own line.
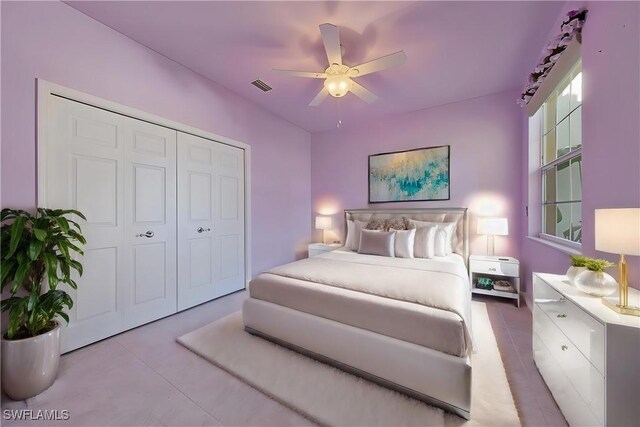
{"type": "Point", "coordinates": [585, 332]}
{"type": "Point", "coordinates": [494, 267]}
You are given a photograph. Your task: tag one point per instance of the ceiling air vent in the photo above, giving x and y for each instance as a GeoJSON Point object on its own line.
{"type": "Point", "coordinates": [261, 85]}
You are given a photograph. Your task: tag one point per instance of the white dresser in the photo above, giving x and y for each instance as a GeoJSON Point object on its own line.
{"type": "Point", "coordinates": [588, 355]}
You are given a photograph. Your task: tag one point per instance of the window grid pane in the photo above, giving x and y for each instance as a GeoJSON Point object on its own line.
{"type": "Point", "coordinates": [562, 183]}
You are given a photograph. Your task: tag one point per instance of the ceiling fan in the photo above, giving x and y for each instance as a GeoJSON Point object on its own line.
{"type": "Point", "coordinates": [338, 77]}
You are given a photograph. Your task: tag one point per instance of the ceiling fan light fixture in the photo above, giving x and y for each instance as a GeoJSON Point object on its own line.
{"type": "Point", "coordinates": [338, 86]}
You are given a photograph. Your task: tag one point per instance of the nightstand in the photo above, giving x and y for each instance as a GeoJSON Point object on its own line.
{"type": "Point", "coordinates": [495, 275]}
{"type": "Point", "coordinates": [320, 248]}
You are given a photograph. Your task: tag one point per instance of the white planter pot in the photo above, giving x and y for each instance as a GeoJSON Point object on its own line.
{"type": "Point", "coordinates": [572, 272]}
{"type": "Point", "coordinates": [596, 283]}
{"type": "Point", "coordinates": [30, 365]}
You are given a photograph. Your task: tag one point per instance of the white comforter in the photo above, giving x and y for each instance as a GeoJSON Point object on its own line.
{"type": "Point", "coordinates": [439, 283]}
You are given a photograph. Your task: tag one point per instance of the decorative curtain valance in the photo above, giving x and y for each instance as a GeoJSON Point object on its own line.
{"type": "Point", "coordinates": [571, 29]}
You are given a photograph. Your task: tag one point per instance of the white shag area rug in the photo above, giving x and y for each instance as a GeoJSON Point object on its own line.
{"type": "Point", "coordinates": [332, 397]}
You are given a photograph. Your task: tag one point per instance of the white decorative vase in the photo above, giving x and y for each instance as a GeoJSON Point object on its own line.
{"type": "Point", "coordinates": [596, 283]}
{"type": "Point", "coordinates": [572, 272]}
{"type": "Point", "coordinates": [30, 365]}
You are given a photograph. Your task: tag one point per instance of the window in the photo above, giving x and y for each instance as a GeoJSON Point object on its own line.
{"type": "Point", "coordinates": [561, 156]}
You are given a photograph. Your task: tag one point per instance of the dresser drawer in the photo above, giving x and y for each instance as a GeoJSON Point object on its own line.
{"type": "Point", "coordinates": [585, 332]}
{"type": "Point", "coordinates": [498, 268]}
{"type": "Point", "coordinates": [584, 377]}
{"type": "Point", "coordinates": [573, 407]}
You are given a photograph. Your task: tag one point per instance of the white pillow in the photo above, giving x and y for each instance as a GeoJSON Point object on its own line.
{"type": "Point", "coordinates": [358, 226]}
{"type": "Point", "coordinates": [424, 246]}
{"type": "Point", "coordinates": [441, 243]}
{"type": "Point", "coordinates": [448, 227]}
{"type": "Point", "coordinates": [405, 239]}
{"type": "Point", "coordinates": [348, 242]}
{"type": "Point", "coordinates": [375, 242]}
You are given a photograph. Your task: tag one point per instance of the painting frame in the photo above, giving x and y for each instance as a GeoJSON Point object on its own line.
{"type": "Point", "coordinates": [391, 153]}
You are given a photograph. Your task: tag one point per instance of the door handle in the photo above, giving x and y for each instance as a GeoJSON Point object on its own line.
{"type": "Point", "coordinates": [202, 230]}
{"type": "Point", "coordinates": [149, 234]}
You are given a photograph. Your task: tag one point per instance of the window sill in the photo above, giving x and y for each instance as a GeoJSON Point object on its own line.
{"type": "Point", "coordinates": [559, 246]}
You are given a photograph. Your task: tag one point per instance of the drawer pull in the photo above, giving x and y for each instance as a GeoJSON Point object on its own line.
{"type": "Point", "coordinates": [561, 316]}
{"type": "Point", "coordinates": [492, 269]}
{"type": "Point", "coordinates": [564, 348]}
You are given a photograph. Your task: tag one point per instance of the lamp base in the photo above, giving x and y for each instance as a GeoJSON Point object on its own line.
{"type": "Point", "coordinates": [612, 303]}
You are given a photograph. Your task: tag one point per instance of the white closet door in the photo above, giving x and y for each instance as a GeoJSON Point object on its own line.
{"type": "Point", "coordinates": [121, 173]}
{"type": "Point", "coordinates": [84, 170]}
{"type": "Point", "coordinates": [210, 220]}
{"type": "Point", "coordinates": [150, 221]}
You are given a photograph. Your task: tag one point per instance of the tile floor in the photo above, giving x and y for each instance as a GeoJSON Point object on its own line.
{"type": "Point", "coordinates": [143, 377]}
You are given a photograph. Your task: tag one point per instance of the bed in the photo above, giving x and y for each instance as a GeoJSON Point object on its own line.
{"type": "Point", "coordinates": [403, 323]}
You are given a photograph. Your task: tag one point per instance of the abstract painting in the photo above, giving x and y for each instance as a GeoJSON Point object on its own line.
{"type": "Point", "coordinates": [413, 175]}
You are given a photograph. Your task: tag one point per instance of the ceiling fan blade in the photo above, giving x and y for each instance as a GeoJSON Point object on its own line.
{"type": "Point", "coordinates": [379, 64]}
{"type": "Point", "coordinates": [363, 93]}
{"type": "Point", "coordinates": [319, 98]}
{"type": "Point", "coordinates": [331, 40]}
{"type": "Point", "coordinates": [294, 73]}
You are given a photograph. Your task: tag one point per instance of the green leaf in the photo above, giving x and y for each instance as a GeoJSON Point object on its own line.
{"type": "Point", "coordinates": [76, 266]}
{"type": "Point", "coordinates": [64, 316]}
{"type": "Point", "coordinates": [21, 273]}
{"type": "Point", "coordinates": [51, 262]}
{"type": "Point", "coordinates": [79, 237]}
{"type": "Point", "coordinates": [6, 267]}
{"type": "Point", "coordinates": [40, 234]}
{"type": "Point", "coordinates": [64, 250]}
{"type": "Point", "coordinates": [75, 212]}
{"type": "Point", "coordinates": [62, 223]}
{"type": "Point", "coordinates": [16, 233]}
{"type": "Point", "coordinates": [33, 299]}
{"type": "Point", "coordinates": [35, 246]}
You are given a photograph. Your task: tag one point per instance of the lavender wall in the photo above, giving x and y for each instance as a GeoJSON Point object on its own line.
{"type": "Point", "coordinates": [611, 129]}
{"type": "Point", "coordinates": [484, 134]}
{"type": "Point", "coordinates": [50, 40]}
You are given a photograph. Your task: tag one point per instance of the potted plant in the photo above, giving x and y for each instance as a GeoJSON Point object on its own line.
{"type": "Point", "coordinates": [37, 257]}
{"type": "Point", "coordinates": [578, 265]}
{"type": "Point", "coordinates": [594, 281]}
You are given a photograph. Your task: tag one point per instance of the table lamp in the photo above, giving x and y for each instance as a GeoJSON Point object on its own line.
{"type": "Point", "coordinates": [618, 232]}
{"type": "Point", "coordinates": [323, 223]}
{"type": "Point", "coordinates": [492, 227]}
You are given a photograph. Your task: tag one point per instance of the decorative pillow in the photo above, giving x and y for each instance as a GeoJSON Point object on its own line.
{"type": "Point", "coordinates": [348, 242]}
{"type": "Point", "coordinates": [374, 242]}
{"type": "Point", "coordinates": [448, 227]}
{"type": "Point", "coordinates": [375, 224]}
{"type": "Point", "coordinates": [395, 224]}
{"type": "Point", "coordinates": [424, 246]}
{"type": "Point", "coordinates": [358, 226]}
{"type": "Point", "coordinates": [440, 242]}
{"type": "Point", "coordinates": [404, 242]}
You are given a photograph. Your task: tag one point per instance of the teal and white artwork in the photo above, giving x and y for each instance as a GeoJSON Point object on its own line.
{"type": "Point", "coordinates": [413, 175]}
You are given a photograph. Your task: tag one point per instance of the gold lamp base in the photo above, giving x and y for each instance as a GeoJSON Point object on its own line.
{"type": "Point", "coordinates": [621, 305]}
{"type": "Point", "coordinates": [612, 303]}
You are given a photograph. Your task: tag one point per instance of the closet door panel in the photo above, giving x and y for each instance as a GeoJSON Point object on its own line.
{"type": "Point", "coordinates": [229, 214]}
{"type": "Point", "coordinates": [84, 169]}
{"type": "Point", "coordinates": [150, 221]}
{"type": "Point", "coordinates": [196, 246]}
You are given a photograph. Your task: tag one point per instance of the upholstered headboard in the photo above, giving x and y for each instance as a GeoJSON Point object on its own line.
{"type": "Point", "coordinates": [457, 215]}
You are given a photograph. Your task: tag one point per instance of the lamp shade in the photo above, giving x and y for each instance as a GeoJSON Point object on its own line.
{"type": "Point", "coordinates": [618, 231]}
{"type": "Point", "coordinates": [493, 226]}
{"type": "Point", "coordinates": [323, 222]}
